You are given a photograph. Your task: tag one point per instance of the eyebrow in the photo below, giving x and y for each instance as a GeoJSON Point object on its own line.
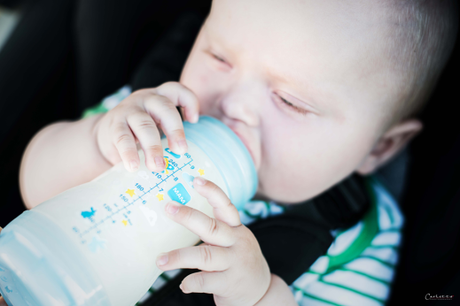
{"type": "Point", "coordinates": [287, 78]}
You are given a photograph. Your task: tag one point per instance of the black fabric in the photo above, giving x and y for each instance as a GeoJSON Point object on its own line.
{"type": "Point", "coordinates": [35, 88]}
{"type": "Point", "coordinates": [112, 38]}
{"type": "Point", "coordinates": [340, 207]}
{"type": "Point", "coordinates": [64, 56]}
{"type": "Point", "coordinates": [166, 60]}
{"type": "Point", "coordinates": [11, 4]}
{"type": "Point", "coordinates": [290, 242]}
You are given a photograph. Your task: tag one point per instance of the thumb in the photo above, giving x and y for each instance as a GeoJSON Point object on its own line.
{"type": "Point", "coordinates": [2, 302]}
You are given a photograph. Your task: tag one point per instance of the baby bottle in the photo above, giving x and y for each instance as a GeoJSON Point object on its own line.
{"type": "Point", "coordinates": [96, 244]}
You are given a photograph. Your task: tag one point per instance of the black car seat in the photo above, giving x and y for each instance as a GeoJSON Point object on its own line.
{"type": "Point", "coordinates": [430, 258]}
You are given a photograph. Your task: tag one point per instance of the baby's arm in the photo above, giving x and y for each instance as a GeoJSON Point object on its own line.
{"type": "Point", "coordinates": [60, 156]}
{"type": "Point", "coordinates": [67, 154]}
{"type": "Point", "coordinates": [277, 294]}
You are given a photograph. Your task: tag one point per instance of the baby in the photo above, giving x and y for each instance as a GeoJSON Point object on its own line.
{"type": "Point", "coordinates": [316, 90]}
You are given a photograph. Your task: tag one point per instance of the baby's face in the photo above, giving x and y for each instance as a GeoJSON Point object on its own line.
{"type": "Point", "coordinates": [302, 83]}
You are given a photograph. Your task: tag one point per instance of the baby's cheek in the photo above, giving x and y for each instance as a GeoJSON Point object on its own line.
{"type": "Point", "coordinates": [294, 181]}
{"type": "Point", "coordinates": [204, 87]}
{"type": "Point", "coordinates": [286, 185]}
{"type": "Point", "coordinates": [193, 80]}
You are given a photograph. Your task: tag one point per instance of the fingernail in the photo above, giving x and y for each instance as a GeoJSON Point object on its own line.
{"type": "Point", "coordinates": [182, 145]}
{"type": "Point", "coordinates": [200, 181]}
{"type": "Point", "coordinates": [133, 164]}
{"type": "Point", "coordinates": [160, 162]}
{"type": "Point", "coordinates": [195, 118]}
{"type": "Point", "coordinates": [162, 259]}
{"type": "Point", "coordinates": [172, 208]}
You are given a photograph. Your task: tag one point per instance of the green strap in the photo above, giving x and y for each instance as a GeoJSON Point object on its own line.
{"type": "Point", "coordinates": [97, 109]}
{"type": "Point", "coordinates": [119, 95]}
{"type": "Point", "coordinates": [365, 237]}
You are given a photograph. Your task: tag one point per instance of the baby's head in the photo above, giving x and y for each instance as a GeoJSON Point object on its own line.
{"type": "Point", "coordinates": [318, 90]}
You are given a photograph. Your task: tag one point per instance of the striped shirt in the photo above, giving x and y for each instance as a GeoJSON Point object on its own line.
{"type": "Point", "coordinates": [359, 266]}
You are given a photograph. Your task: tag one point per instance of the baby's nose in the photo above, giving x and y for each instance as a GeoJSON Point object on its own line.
{"type": "Point", "coordinates": [243, 103]}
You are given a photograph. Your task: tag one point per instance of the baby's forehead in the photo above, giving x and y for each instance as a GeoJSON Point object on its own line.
{"type": "Point", "coordinates": [298, 15]}
{"type": "Point", "coordinates": [356, 31]}
{"type": "Point", "coordinates": [317, 44]}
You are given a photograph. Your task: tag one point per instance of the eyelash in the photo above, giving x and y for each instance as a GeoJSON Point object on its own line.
{"type": "Point", "coordinates": [223, 64]}
{"type": "Point", "coordinates": [219, 58]}
{"type": "Point", "coordinates": [293, 107]}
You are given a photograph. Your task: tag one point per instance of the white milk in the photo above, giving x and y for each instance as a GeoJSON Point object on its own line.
{"type": "Point", "coordinates": [118, 220]}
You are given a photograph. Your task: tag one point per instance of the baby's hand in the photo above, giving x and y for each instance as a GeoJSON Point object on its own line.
{"type": "Point", "coordinates": [136, 119]}
{"type": "Point", "coordinates": [234, 269]}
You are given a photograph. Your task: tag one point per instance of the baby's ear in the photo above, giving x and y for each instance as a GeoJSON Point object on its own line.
{"type": "Point", "coordinates": [389, 144]}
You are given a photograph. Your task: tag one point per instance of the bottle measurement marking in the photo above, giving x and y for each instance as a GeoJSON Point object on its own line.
{"type": "Point", "coordinates": [95, 225]}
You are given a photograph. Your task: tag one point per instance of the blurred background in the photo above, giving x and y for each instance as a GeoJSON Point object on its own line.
{"type": "Point", "coordinates": [58, 58]}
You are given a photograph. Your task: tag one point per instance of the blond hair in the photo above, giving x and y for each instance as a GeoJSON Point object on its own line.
{"type": "Point", "coordinates": [422, 42]}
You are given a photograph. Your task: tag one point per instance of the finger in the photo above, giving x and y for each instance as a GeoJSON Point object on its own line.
{"type": "Point", "coordinates": [205, 282]}
{"type": "Point", "coordinates": [224, 210]}
{"type": "Point", "coordinates": [209, 230]}
{"type": "Point", "coordinates": [181, 96]}
{"type": "Point", "coordinates": [125, 144]}
{"type": "Point", "coordinates": [204, 257]}
{"type": "Point", "coordinates": [146, 131]}
{"type": "Point", "coordinates": [165, 113]}
{"type": "Point", "coordinates": [2, 302]}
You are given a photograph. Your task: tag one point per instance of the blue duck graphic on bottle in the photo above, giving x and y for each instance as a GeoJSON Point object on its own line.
{"type": "Point", "coordinates": [88, 214]}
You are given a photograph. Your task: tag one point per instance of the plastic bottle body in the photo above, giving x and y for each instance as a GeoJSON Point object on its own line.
{"type": "Point", "coordinates": [40, 266]}
{"type": "Point", "coordinates": [121, 218]}
{"type": "Point", "coordinates": [97, 243]}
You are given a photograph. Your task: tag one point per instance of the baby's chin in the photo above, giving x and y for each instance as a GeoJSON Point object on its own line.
{"type": "Point", "coordinates": [260, 196]}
